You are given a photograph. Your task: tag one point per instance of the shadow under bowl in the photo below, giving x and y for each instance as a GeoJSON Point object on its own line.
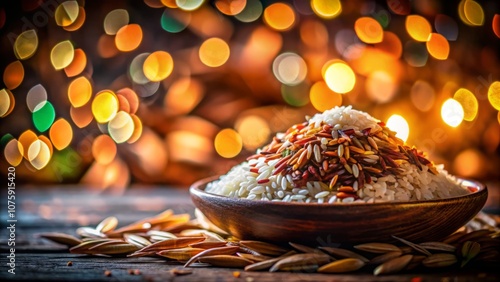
{"type": "Point", "coordinates": [320, 224]}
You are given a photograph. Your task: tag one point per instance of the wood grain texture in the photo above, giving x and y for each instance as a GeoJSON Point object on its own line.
{"type": "Point", "coordinates": [312, 224]}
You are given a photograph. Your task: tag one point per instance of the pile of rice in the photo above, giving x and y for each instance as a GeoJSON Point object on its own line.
{"type": "Point", "coordinates": [339, 156]}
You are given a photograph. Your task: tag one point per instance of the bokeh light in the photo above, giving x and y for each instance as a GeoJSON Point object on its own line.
{"type": "Point", "coordinates": [81, 116]}
{"type": "Point", "coordinates": [279, 16]}
{"type": "Point", "coordinates": [340, 77]}
{"type": "Point", "coordinates": [36, 96]}
{"type": "Point", "coordinates": [77, 65]}
{"type": "Point", "coordinates": [79, 91]}
{"type": "Point", "coordinates": [438, 46]}
{"type": "Point", "coordinates": [137, 129]}
{"type": "Point", "coordinates": [62, 55]}
{"type": "Point", "coordinates": [296, 95]}
{"type": "Point", "coordinates": [418, 27]}
{"type": "Point", "coordinates": [399, 7]}
{"type": "Point", "coordinates": [380, 86]}
{"type": "Point", "coordinates": [473, 12]}
{"type": "Point", "coordinates": [369, 30]}
{"type": "Point", "coordinates": [26, 139]}
{"type": "Point", "coordinates": [132, 98]}
{"type": "Point", "coordinates": [452, 112]}
{"type": "Point", "coordinates": [494, 95]}
{"type": "Point", "coordinates": [398, 124]}
{"type": "Point", "coordinates": [158, 66]}
{"type": "Point", "coordinates": [104, 149]}
{"type": "Point", "coordinates": [44, 115]}
{"type": "Point", "coordinates": [228, 143]}
{"type": "Point", "coordinates": [128, 37]}
{"type": "Point", "coordinates": [189, 5]}
{"type": "Point", "coordinates": [136, 69]}
{"type": "Point", "coordinates": [13, 152]}
{"type": "Point", "coordinates": [78, 23]}
{"type": "Point", "coordinates": [115, 20]}
{"type": "Point", "coordinates": [469, 103]}
{"type": "Point", "coordinates": [66, 13]}
{"type": "Point", "coordinates": [495, 25]}
{"type": "Point", "coordinates": [174, 23]}
{"type": "Point", "coordinates": [326, 9]}
{"type": "Point", "coordinates": [61, 134]}
{"type": "Point", "coordinates": [7, 102]}
{"type": "Point", "coordinates": [47, 142]}
{"type": "Point", "coordinates": [39, 154]}
{"type": "Point", "coordinates": [446, 26]}
{"type": "Point", "coordinates": [214, 52]}
{"type": "Point", "coordinates": [422, 95]}
{"type": "Point", "coordinates": [415, 54]}
{"type": "Point", "coordinates": [13, 75]}
{"type": "Point", "coordinates": [290, 68]}
{"type": "Point", "coordinates": [254, 131]}
{"type": "Point", "coordinates": [121, 127]}
{"type": "Point", "coordinates": [251, 12]}
{"type": "Point", "coordinates": [230, 7]}
{"type": "Point", "coordinates": [323, 98]}
{"type": "Point", "coordinates": [183, 95]}
{"type": "Point", "coordinates": [104, 106]}
{"type": "Point", "coordinates": [26, 44]}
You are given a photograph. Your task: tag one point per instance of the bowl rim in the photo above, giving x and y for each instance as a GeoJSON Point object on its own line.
{"type": "Point", "coordinates": [196, 189]}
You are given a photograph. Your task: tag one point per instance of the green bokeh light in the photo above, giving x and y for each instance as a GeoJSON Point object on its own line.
{"type": "Point", "coordinates": [43, 116]}
{"type": "Point", "coordinates": [170, 24]}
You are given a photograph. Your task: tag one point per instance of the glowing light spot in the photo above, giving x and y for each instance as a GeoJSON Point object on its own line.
{"type": "Point", "coordinates": [82, 116]}
{"type": "Point", "coordinates": [62, 55]}
{"type": "Point", "coordinates": [230, 7]}
{"type": "Point", "coordinates": [399, 125]}
{"type": "Point", "coordinates": [35, 97]}
{"type": "Point", "coordinates": [468, 163]}
{"type": "Point", "coordinates": [128, 38]}
{"type": "Point", "coordinates": [254, 131]}
{"type": "Point", "coordinates": [189, 5]}
{"type": "Point", "coordinates": [438, 46]}
{"type": "Point", "coordinates": [296, 95]}
{"type": "Point", "coordinates": [380, 86]}
{"type": "Point", "coordinates": [214, 52]}
{"type": "Point", "coordinates": [369, 30]}
{"type": "Point", "coordinates": [147, 89]}
{"type": "Point", "coordinates": [13, 152]}
{"type": "Point", "coordinates": [169, 3]}
{"type": "Point", "coordinates": [104, 106]}
{"type": "Point", "coordinates": [123, 104]}
{"type": "Point", "coordinates": [452, 112]}
{"type": "Point", "coordinates": [251, 12]}
{"type": "Point", "coordinates": [399, 7]}
{"type": "Point", "coordinates": [228, 143]}
{"type": "Point", "coordinates": [327, 9]}
{"type": "Point", "coordinates": [103, 149]}
{"type": "Point", "coordinates": [47, 142]}
{"type": "Point", "coordinates": [495, 24]}
{"type": "Point", "coordinates": [340, 77]}
{"type": "Point", "coordinates": [137, 129]}
{"type": "Point", "coordinates": [415, 54]}
{"type": "Point", "coordinates": [183, 95]}
{"type": "Point", "coordinates": [78, 22]}
{"type": "Point", "coordinates": [469, 103]}
{"type": "Point", "coordinates": [61, 134]}
{"type": "Point", "coordinates": [26, 44]}
{"type": "Point", "coordinates": [7, 102]}
{"type": "Point", "coordinates": [314, 34]}
{"type": "Point", "coordinates": [323, 98]}
{"type": "Point", "coordinates": [39, 154]}
{"type": "Point", "coordinates": [132, 98]}
{"type": "Point", "coordinates": [158, 66]}
{"type": "Point", "coordinates": [290, 68]}
{"type": "Point", "coordinates": [26, 139]}
{"type": "Point", "coordinates": [66, 13]}
{"type": "Point", "coordinates": [474, 13]}
{"type": "Point", "coordinates": [115, 20]}
{"type": "Point", "coordinates": [79, 91]}
{"type": "Point", "coordinates": [418, 27]}
{"type": "Point", "coordinates": [136, 69]}
{"type": "Point", "coordinates": [13, 75]}
{"type": "Point", "coordinates": [174, 24]}
{"type": "Point", "coordinates": [43, 116]}
{"type": "Point", "coordinates": [77, 65]}
{"type": "Point", "coordinates": [279, 16]}
{"type": "Point", "coordinates": [494, 95]}
{"type": "Point", "coordinates": [446, 26]}
{"type": "Point", "coordinates": [106, 46]}
{"type": "Point", "coordinates": [121, 127]}
{"type": "Point", "coordinates": [422, 95]}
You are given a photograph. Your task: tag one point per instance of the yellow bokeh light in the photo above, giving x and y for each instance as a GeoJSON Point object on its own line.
{"type": "Point", "coordinates": [469, 103]}
{"type": "Point", "coordinates": [61, 134]}
{"type": "Point", "coordinates": [78, 22]}
{"type": "Point", "coordinates": [66, 13]}
{"type": "Point", "coordinates": [128, 38]}
{"type": "Point", "coordinates": [326, 9]}
{"type": "Point", "coordinates": [39, 154]}
{"type": "Point", "coordinates": [77, 65]}
{"type": "Point", "coordinates": [103, 149]}
{"type": "Point", "coordinates": [340, 77]}
{"type": "Point", "coordinates": [115, 20]}
{"type": "Point", "coordinates": [228, 143]}
{"type": "Point", "coordinates": [494, 95]}
{"type": "Point", "coordinates": [13, 75]}
{"type": "Point", "coordinates": [121, 127]}
{"type": "Point", "coordinates": [13, 152]}
{"type": "Point", "coordinates": [79, 91]}
{"type": "Point", "coordinates": [230, 7]}
{"type": "Point", "coordinates": [104, 106]}
{"type": "Point", "coordinates": [62, 55]}
{"type": "Point", "coordinates": [158, 66]}
{"type": "Point", "coordinates": [26, 138]}
{"type": "Point", "coordinates": [189, 5]}
{"type": "Point", "coordinates": [254, 131]}
{"type": "Point", "coordinates": [289, 68]}
{"type": "Point", "coordinates": [183, 95]}
{"type": "Point", "coordinates": [214, 52]}
{"type": "Point", "coordinates": [418, 27]}
{"type": "Point", "coordinates": [399, 125]}
{"type": "Point", "coordinates": [473, 12]}
{"type": "Point", "coordinates": [26, 44]}
{"type": "Point", "coordinates": [452, 112]}
{"type": "Point", "coordinates": [369, 30]}
{"type": "Point", "coordinates": [47, 142]}
{"type": "Point", "coordinates": [438, 47]}
{"type": "Point", "coordinates": [137, 129]}
{"type": "Point", "coordinates": [323, 98]}
{"type": "Point", "coordinates": [7, 102]}
{"type": "Point", "coordinates": [279, 16]}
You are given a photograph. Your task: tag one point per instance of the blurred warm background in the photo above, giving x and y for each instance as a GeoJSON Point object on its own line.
{"type": "Point", "coordinates": [113, 93]}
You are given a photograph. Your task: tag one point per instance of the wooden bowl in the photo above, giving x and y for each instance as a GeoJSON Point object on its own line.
{"type": "Point", "coordinates": [319, 224]}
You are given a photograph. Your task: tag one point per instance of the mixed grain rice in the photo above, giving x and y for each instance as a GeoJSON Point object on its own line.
{"type": "Point", "coordinates": [339, 156]}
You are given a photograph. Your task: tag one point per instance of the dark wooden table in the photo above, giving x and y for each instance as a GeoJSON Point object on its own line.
{"type": "Point", "coordinates": [64, 208]}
